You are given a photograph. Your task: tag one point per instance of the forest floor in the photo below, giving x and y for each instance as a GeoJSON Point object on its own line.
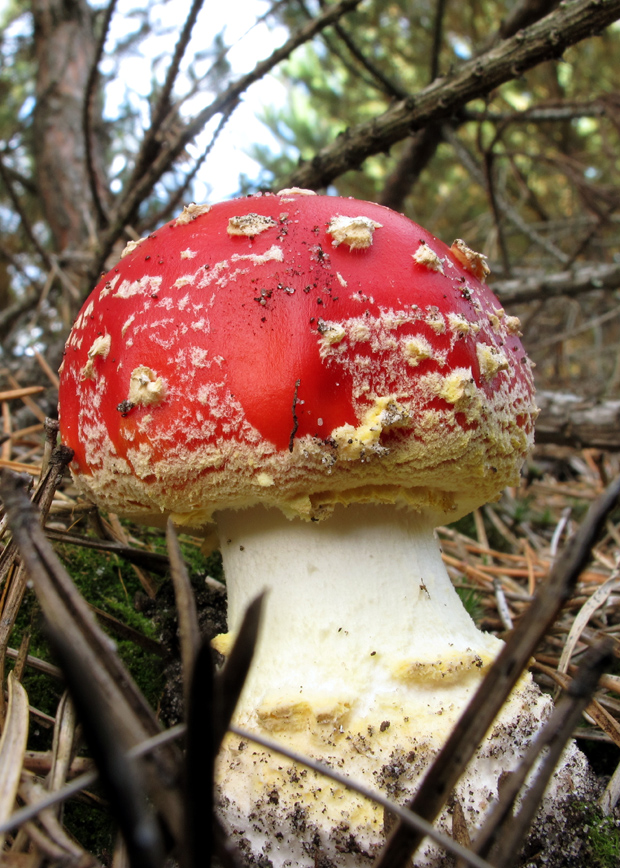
{"type": "Point", "coordinates": [498, 558]}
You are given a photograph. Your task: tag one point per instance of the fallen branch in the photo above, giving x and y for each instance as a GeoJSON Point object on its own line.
{"type": "Point", "coordinates": [568, 420]}
{"type": "Point", "coordinates": [568, 283]}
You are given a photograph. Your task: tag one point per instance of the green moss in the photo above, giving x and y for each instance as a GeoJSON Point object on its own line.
{"type": "Point", "coordinates": [104, 579]}
{"type": "Point", "coordinates": [603, 838]}
{"type": "Point", "coordinates": [92, 826]}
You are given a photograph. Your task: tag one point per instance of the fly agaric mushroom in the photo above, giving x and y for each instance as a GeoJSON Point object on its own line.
{"type": "Point", "coordinates": [326, 382]}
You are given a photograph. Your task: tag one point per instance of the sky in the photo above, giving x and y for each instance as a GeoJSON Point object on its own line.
{"type": "Point", "coordinates": [219, 178]}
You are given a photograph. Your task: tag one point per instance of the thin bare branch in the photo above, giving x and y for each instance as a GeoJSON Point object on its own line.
{"type": "Point", "coordinates": [25, 222]}
{"type": "Point", "coordinates": [88, 112]}
{"type": "Point", "coordinates": [524, 14]}
{"type": "Point", "coordinates": [10, 314]}
{"type": "Point", "coordinates": [422, 145]}
{"type": "Point", "coordinates": [567, 111]}
{"type": "Point", "coordinates": [419, 150]}
{"type": "Point", "coordinates": [179, 195]}
{"type": "Point", "coordinates": [189, 631]}
{"type": "Point", "coordinates": [164, 104]}
{"type": "Point", "coordinates": [379, 77]}
{"type": "Point", "coordinates": [86, 780]}
{"type": "Point", "coordinates": [587, 278]}
{"type": "Point", "coordinates": [489, 177]}
{"type": "Point", "coordinates": [65, 609]}
{"type": "Point", "coordinates": [333, 46]}
{"type": "Point", "coordinates": [440, 11]}
{"type": "Point", "coordinates": [498, 203]}
{"type": "Point", "coordinates": [153, 561]}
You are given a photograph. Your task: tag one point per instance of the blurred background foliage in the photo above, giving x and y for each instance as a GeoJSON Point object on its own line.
{"type": "Point", "coordinates": [110, 117]}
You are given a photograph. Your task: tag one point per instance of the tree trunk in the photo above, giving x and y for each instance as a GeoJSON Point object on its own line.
{"type": "Point", "coordinates": [65, 46]}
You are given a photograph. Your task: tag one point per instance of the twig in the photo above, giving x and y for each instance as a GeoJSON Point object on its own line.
{"type": "Point", "coordinates": [120, 777]}
{"type": "Point", "coordinates": [87, 114]}
{"type": "Point", "coordinates": [418, 151]}
{"type": "Point", "coordinates": [560, 337]}
{"type": "Point", "coordinates": [498, 203]}
{"type": "Point", "coordinates": [39, 665]}
{"type": "Point", "coordinates": [189, 631]}
{"type": "Point", "coordinates": [48, 260]}
{"type": "Point", "coordinates": [62, 606]}
{"type": "Point", "coordinates": [153, 561]}
{"type": "Point", "coordinates": [88, 779]}
{"type": "Point", "coordinates": [25, 222]}
{"type": "Point", "coordinates": [389, 87]}
{"type": "Point", "coordinates": [524, 14]}
{"type": "Point", "coordinates": [502, 605]}
{"type": "Point", "coordinates": [49, 373]}
{"type": "Point", "coordinates": [580, 280]}
{"type": "Point", "coordinates": [20, 392]}
{"type": "Point", "coordinates": [177, 197]}
{"type": "Point", "coordinates": [565, 111]}
{"type": "Point", "coordinates": [164, 107]}
{"type": "Point", "coordinates": [558, 531]}
{"type": "Point", "coordinates": [440, 11]}
{"type": "Point", "coordinates": [496, 207]}
{"type": "Point", "coordinates": [32, 406]}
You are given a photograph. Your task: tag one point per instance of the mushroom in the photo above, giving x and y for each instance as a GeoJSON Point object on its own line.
{"type": "Point", "coordinates": [326, 382]}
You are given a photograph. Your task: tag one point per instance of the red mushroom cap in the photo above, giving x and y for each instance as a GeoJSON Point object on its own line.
{"type": "Point", "coordinates": [298, 351]}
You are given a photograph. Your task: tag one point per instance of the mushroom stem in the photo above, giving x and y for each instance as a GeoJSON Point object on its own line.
{"type": "Point", "coordinates": [361, 620]}
{"type": "Point", "coordinates": [365, 661]}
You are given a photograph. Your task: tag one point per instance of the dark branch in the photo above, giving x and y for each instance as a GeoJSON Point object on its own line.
{"type": "Point", "coordinates": [498, 203]}
{"type": "Point", "coordinates": [547, 39]}
{"type": "Point", "coordinates": [524, 14]}
{"type": "Point", "coordinates": [25, 223]}
{"type": "Point", "coordinates": [440, 12]}
{"type": "Point", "coordinates": [419, 150]}
{"type": "Point", "coordinates": [179, 195]}
{"type": "Point", "coordinates": [386, 85]}
{"type": "Point", "coordinates": [334, 48]}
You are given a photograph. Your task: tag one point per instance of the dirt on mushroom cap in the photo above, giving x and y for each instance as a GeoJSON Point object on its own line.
{"type": "Point", "coordinates": [295, 370]}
